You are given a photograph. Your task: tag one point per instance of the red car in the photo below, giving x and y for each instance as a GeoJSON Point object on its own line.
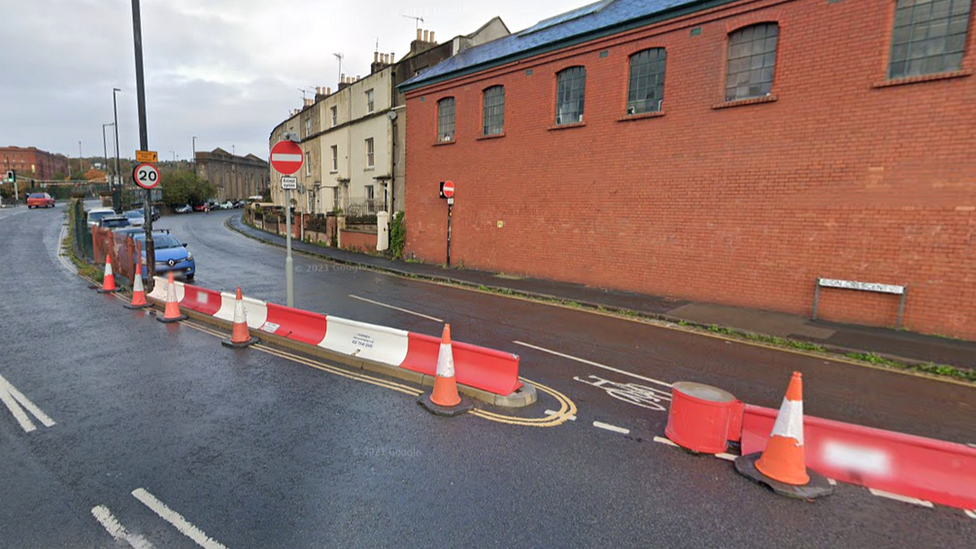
{"type": "Point", "coordinates": [40, 200]}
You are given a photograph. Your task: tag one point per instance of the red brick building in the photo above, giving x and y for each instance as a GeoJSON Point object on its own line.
{"type": "Point", "coordinates": [721, 151]}
{"type": "Point", "coordinates": [30, 162]}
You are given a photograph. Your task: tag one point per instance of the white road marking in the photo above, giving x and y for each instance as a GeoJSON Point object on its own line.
{"type": "Point", "coordinates": [17, 411]}
{"type": "Point", "coordinates": [552, 413]}
{"type": "Point", "coordinates": [608, 427]}
{"type": "Point", "coordinates": [176, 520]}
{"type": "Point", "coordinates": [971, 514]}
{"type": "Point", "coordinates": [667, 441]}
{"type": "Point", "coordinates": [832, 482]}
{"type": "Point", "coordinates": [435, 319]}
{"type": "Point", "coordinates": [61, 257]}
{"type": "Point", "coordinates": [726, 457]}
{"type": "Point", "coordinates": [971, 445]}
{"type": "Point", "coordinates": [11, 396]}
{"type": "Point", "coordinates": [904, 499]}
{"type": "Point", "coordinates": [591, 363]}
{"type": "Point", "coordinates": [116, 530]}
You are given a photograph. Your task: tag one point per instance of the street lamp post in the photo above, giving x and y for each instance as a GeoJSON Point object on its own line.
{"type": "Point", "coordinates": [105, 148]}
{"type": "Point", "coordinates": [194, 159]}
{"type": "Point", "coordinates": [117, 179]}
{"type": "Point", "coordinates": [143, 140]}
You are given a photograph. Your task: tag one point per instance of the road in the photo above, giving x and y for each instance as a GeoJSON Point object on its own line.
{"type": "Point", "coordinates": [161, 432]}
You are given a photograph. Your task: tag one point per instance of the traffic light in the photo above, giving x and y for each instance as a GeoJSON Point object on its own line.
{"type": "Point", "coordinates": [11, 176]}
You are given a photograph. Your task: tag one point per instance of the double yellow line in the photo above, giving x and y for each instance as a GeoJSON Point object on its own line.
{"type": "Point", "coordinates": [567, 408]}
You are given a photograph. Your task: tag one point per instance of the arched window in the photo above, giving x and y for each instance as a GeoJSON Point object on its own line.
{"type": "Point", "coordinates": [929, 37]}
{"type": "Point", "coordinates": [570, 91]}
{"type": "Point", "coordinates": [646, 90]}
{"type": "Point", "coordinates": [445, 119]}
{"type": "Point", "coordinates": [752, 58]}
{"type": "Point", "coordinates": [494, 111]}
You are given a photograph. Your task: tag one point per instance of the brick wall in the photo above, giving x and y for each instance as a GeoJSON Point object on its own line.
{"type": "Point", "coordinates": [357, 240]}
{"type": "Point", "coordinates": [746, 205]}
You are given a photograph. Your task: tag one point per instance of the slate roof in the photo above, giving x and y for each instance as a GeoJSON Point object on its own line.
{"type": "Point", "coordinates": [602, 18]}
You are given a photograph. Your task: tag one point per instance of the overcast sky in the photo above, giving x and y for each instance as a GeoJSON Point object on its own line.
{"type": "Point", "coordinates": [226, 71]}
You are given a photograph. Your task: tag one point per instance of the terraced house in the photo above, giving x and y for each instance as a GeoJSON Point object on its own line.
{"type": "Point", "coordinates": [733, 152]}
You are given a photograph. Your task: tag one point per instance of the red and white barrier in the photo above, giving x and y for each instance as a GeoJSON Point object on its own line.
{"type": "Point", "coordinates": [479, 367]}
{"type": "Point", "coordinates": [377, 343]}
{"type": "Point", "coordinates": [927, 469]}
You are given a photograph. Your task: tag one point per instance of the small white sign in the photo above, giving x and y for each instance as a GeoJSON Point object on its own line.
{"type": "Point", "coordinates": [868, 286]}
{"type": "Point", "coordinates": [289, 183]}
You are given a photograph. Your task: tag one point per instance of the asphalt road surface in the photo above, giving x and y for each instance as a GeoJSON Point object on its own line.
{"type": "Point", "coordinates": [152, 435]}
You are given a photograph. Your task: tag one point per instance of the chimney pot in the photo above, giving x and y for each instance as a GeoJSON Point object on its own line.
{"type": "Point", "coordinates": [425, 36]}
{"type": "Point", "coordinates": [376, 56]}
{"type": "Point", "coordinates": [392, 57]}
{"type": "Point", "coordinates": [328, 91]}
{"type": "Point", "coordinates": [419, 32]}
{"type": "Point", "coordinates": [432, 36]}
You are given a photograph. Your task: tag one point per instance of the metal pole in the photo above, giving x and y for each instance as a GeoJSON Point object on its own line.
{"type": "Point", "coordinates": [79, 157]}
{"type": "Point", "coordinates": [105, 151]}
{"type": "Point", "coordinates": [116, 183]}
{"type": "Point", "coordinates": [143, 141]}
{"type": "Point", "coordinates": [289, 269]}
{"type": "Point", "coordinates": [450, 207]}
{"type": "Point", "coordinates": [194, 154]}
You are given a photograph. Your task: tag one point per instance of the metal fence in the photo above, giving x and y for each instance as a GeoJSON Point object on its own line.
{"type": "Point", "coordinates": [81, 236]}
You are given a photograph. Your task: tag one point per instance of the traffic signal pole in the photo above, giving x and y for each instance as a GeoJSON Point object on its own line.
{"type": "Point", "coordinates": [143, 143]}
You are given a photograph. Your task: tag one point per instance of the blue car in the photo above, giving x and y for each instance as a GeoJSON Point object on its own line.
{"type": "Point", "coordinates": [171, 255]}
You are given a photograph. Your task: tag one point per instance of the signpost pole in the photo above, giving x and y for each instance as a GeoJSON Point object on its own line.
{"type": "Point", "coordinates": [143, 144]}
{"type": "Point", "coordinates": [450, 208]}
{"type": "Point", "coordinates": [289, 269]}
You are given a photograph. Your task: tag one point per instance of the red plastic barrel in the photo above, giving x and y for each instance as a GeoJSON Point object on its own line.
{"type": "Point", "coordinates": [700, 417]}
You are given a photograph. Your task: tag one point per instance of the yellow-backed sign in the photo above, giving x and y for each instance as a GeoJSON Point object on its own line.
{"type": "Point", "coordinates": [147, 156]}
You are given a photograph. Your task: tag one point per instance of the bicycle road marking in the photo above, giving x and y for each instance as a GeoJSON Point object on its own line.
{"type": "Point", "coordinates": [638, 395]}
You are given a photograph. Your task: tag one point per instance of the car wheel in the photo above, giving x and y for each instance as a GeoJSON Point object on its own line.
{"type": "Point", "coordinates": [190, 276]}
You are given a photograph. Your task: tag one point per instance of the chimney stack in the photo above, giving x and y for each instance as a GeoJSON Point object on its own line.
{"type": "Point", "coordinates": [392, 57]}
{"type": "Point", "coordinates": [419, 32]}
{"type": "Point", "coordinates": [432, 37]}
{"type": "Point", "coordinates": [425, 36]}
{"type": "Point", "coordinates": [376, 56]}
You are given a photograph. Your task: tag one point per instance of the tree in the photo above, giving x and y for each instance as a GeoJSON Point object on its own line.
{"type": "Point", "coordinates": [183, 187]}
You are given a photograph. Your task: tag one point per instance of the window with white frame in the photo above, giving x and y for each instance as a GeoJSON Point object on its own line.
{"type": "Point", "coordinates": [929, 37]}
{"type": "Point", "coordinates": [335, 116]}
{"type": "Point", "coordinates": [570, 92]}
{"type": "Point", "coordinates": [646, 91]}
{"type": "Point", "coordinates": [445, 119]}
{"type": "Point", "coordinates": [308, 126]}
{"type": "Point", "coordinates": [369, 152]}
{"type": "Point", "coordinates": [335, 158]}
{"type": "Point", "coordinates": [335, 198]}
{"type": "Point", "coordinates": [752, 59]}
{"type": "Point", "coordinates": [369, 101]}
{"type": "Point", "coordinates": [494, 111]}
{"type": "Point", "coordinates": [308, 162]}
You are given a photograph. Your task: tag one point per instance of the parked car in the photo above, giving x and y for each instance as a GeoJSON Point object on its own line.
{"type": "Point", "coordinates": [114, 221]}
{"type": "Point", "coordinates": [171, 255]}
{"type": "Point", "coordinates": [184, 209]}
{"type": "Point", "coordinates": [227, 205]}
{"type": "Point", "coordinates": [204, 207]}
{"type": "Point", "coordinates": [96, 214]}
{"type": "Point", "coordinates": [136, 218]}
{"type": "Point", "coordinates": [240, 204]}
{"type": "Point", "coordinates": [39, 200]}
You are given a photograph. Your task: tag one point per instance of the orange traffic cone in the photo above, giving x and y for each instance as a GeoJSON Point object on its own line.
{"type": "Point", "coordinates": [240, 336]}
{"type": "Point", "coordinates": [445, 400]}
{"type": "Point", "coordinates": [782, 465]}
{"type": "Point", "coordinates": [138, 291]}
{"type": "Point", "coordinates": [172, 312]}
{"type": "Point", "coordinates": [108, 281]}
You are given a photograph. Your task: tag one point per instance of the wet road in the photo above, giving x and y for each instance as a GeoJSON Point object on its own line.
{"type": "Point", "coordinates": [253, 449]}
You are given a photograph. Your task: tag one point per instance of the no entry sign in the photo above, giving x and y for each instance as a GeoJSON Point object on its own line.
{"type": "Point", "coordinates": [447, 189]}
{"type": "Point", "coordinates": [287, 157]}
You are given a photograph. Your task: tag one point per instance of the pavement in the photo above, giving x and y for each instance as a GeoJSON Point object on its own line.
{"type": "Point", "coordinates": [900, 345]}
{"type": "Point", "coordinates": [159, 433]}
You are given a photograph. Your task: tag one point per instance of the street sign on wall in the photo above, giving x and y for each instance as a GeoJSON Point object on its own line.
{"type": "Point", "coordinates": [289, 183]}
{"type": "Point", "coordinates": [287, 157]}
{"type": "Point", "coordinates": [447, 189]}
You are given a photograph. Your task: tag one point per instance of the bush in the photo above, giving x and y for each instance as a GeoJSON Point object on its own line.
{"type": "Point", "coordinates": [398, 235]}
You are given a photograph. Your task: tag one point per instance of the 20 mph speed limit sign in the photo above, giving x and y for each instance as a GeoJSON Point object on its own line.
{"type": "Point", "coordinates": [146, 176]}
